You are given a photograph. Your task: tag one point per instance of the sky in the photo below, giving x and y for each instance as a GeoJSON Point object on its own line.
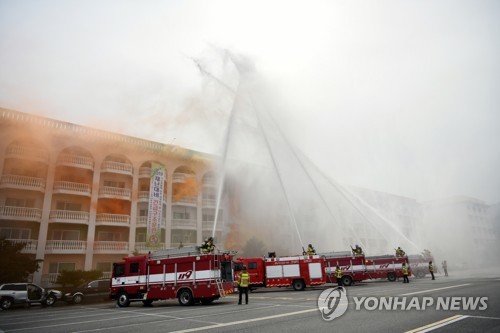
{"type": "Point", "coordinates": [396, 96]}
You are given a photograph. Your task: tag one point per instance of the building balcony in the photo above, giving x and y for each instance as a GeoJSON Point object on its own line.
{"type": "Point", "coordinates": [65, 246]}
{"type": "Point", "coordinates": [64, 187]}
{"type": "Point", "coordinates": [209, 182]}
{"type": "Point", "coordinates": [188, 201]}
{"type": "Point", "coordinates": [143, 196]}
{"type": "Point", "coordinates": [23, 183]}
{"type": "Point", "coordinates": [30, 245]}
{"type": "Point", "coordinates": [209, 203]}
{"type": "Point", "coordinates": [101, 247]}
{"type": "Point", "coordinates": [144, 172]}
{"type": "Point", "coordinates": [112, 219]}
{"type": "Point", "coordinates": [20, 213]}
{"type": "Point", "coordinates": [181, 177]}
{"type": "Point", "coordinates": [142, 248]}
{"type": "Point", "coordinates": [117, 167]}
{"type": "Point", "coordinates": [209, 225]}
{"type": "Point", "coordinates": [115, 193]}
{"type": "Point", "coordinates": [26, 152]}
{"type": "Point", "coordinates": [68, 216]}
{"type": "Point", "coordinates": [142, 221]}
{"type": "Point", "coordinates": [187, 224]}
{"type": "Point", "coordinates": [76, 161]}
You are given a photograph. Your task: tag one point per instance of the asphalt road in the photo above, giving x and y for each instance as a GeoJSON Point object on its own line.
{"type": "Point", "coordinates": [282, 310]}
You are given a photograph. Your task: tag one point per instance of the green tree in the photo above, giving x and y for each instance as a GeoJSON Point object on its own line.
{"type": "Point", "coordinates": [254, 248]}
{"type": "Point", "coordinates": [15, 266]}
{"type": "Point", "coordinates": [76, 278]}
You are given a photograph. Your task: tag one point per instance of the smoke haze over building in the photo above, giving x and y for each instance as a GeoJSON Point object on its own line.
{"type": "Point", "coordinates": [394, 96]}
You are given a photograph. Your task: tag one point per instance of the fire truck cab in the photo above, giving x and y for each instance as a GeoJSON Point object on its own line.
{"type": "Point", "coordinates": [419, 264]}
{"type": "Point", "coordinates": [185, 274]}
{"type": "Point", "coordinates": [295, 271]}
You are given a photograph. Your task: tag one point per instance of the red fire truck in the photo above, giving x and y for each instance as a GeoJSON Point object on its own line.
{"type": "Point", "coordinates": [419, 264]}
{"type": "Point", "coordinates": [183, 273]}
{"type": "Point", "coordinates": [295, 271]}
{"type": "Point", "coordinates": [352, 266]}
{"type": "Point", "coordinates": [386, 266]}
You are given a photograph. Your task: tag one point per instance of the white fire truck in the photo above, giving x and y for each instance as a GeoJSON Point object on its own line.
{"type": "Point", "coordinates": [185, 274]}
{"type": "Point", "coordinates": [296, 271]}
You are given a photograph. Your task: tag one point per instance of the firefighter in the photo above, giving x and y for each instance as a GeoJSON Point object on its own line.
{"type": "Point", "coordinates": [404, 270]}
{"type": "Point", "coordinates": [431, 270]}
{"type": "Point", "coordinates": [338, 275]}
{"type": "Point", "coordinates": [208, 245]}
{"type": "Point", "coordinates": [310, 250]}
{"type": "Point", "coordinates": [444, 264]}
{"type": "Point", "coordinates": [399, 252]}
{"type": "Point", "coordinates": [357, 251]}
{"type": "Point", "coordinates": [243, 283]}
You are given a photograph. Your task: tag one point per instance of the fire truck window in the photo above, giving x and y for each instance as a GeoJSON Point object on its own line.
{"type": "Point", "coordinates": [252, 265]}
{"type": "Point", "coordinates": [226, 273]}
{"type": "Point", "coordinates": [134, 267]}
{"type": "Point", "coordinates": [118, 270]}
{"type": "Point", "coordinates": [238, 267]}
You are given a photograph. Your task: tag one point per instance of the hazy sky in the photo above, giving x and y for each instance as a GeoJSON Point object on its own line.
{"type": "Point", "coordinates": [397, 96]}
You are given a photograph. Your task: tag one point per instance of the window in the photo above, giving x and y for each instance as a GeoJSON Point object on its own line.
{"type": "Point", "coordinates": [108, 236]}
{"type": "Point", "coordinates": [134, 267]}
{"type": "Point", "coordinates": [15, 202]}
{"type": "Point", "coordinates": [181, 216]}
{"type": "Point", "coordinates": [73, 206]}
{"type": "Point", "coordinates": [143, 212]}
{"type": "Point", "coordinates": [252, 265]}
{"type": "Point", "coordinates": [140, 237]}
{"type": "Point", "coordinates": [118, 270]}
{"type": "Point", "coordinates": [104, 266]}
{"type": "Point", "coordinates": [13, 233]}
{"type": "Point", "coordinates": [114, 183]}
{"type": "Point", "coordinates": [58, 267]}
{"type": "Point", "coordinates": [66, 235]}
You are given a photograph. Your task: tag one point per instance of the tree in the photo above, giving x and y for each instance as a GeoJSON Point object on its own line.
{"type": "Point", "coordinates": [15, 266]}
{"type": "Point", "coordinates": [76, 278]}
{"type": "Point", "coordinates": [254, 248]}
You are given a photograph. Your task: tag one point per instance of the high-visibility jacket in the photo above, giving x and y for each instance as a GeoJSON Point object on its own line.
{"type": "Point", "coordinates": [405, 270]}
{"type": "Point", "coordinates": [338, 273]}
{"type": "Point", "coordinates": [244, 280]}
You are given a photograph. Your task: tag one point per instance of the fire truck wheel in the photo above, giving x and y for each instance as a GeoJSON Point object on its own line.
{"type": "Point", "coordinates": [185, 297]}
{"type": "Point", "coordinates": [346, 280]}
{"type": "Point", "coordinates": [391, 277]}
{"type": "Point", "coordinates": [123, 300]}
{"type": "Point", "coordinates": [298, 285]}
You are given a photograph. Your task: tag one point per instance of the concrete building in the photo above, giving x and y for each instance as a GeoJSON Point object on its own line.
{"type": "Point", "coordinates": [78, 197]}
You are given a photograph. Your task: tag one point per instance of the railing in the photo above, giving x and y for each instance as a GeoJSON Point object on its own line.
{"type": "Point", "coordinates": [145, 172]}
{"type": "Point", "coordinates": [183, 223]}
{"type": "Point", "coordinates": [181, 177]}
{"type": "Point", "coordinates": [76, 160]}
{"type": "Point", "coordinates": [30, 245]}
{"type": "Point", "coordinates": [209, 202]}
{"type": "Point", "coordinates": [144, 196]}
{"type": "Point", "coordinates": [117, 167]}
{"type": "Point", "coordinates": [209, 181]}
{"type": "Point", "coordinates": [209, 225]}
{"type": "Point", "coordinates": [80, 188]}
{"type": "Point", "coordinates": [142, 221]}
{"type": "Point", "coordinates": [69, 216]}
{"type": "Point", "coordinates": [184, 200]}
{"type": "Point", "coordinates": [25, 151]}
{"type": "Point", "coordinates": [107, 191]}
{"type": "Point", "coordinates": [65, 245]}
{"type": "Point", "coordinates": [110, 246]}
{"type": "Point", "coordinates": [18, 213]}
{"type": "Point", "coordinates": [49, 278]}
{"type": "Point", "coordinates": [23, 181]}
{"type": "Point", "coordinates": [142, 247]}
{"type": "Point", "coordinates": [113, 218]}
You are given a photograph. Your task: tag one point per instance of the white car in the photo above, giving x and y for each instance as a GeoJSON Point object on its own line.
{"type": "Point", "coordinates": [26, 293]}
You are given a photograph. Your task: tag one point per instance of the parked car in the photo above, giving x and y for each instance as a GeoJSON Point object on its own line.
{"type": "Point", "coordinates": [26, 293]}
{"type": "Point", "coordinates": [97, 290]}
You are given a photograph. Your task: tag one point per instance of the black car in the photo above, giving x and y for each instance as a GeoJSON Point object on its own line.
{"type": "Point", "coordinates": [97, 290]}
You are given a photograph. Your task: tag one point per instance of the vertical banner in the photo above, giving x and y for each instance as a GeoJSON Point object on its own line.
{"type": "Point", "coordinates": [155, 208]}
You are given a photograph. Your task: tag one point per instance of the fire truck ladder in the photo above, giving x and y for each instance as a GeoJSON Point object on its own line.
{"type": "Point", "coordinates": [218, 280]}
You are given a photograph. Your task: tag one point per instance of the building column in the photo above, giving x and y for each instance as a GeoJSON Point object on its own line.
{"type": "Point", "coordinates": [44, 223]}
{"type": "Point", "coordinates": [168, 229]}
{"type": "Point", "coordinates": [89, 252]}
{"type": "Point", "coordinates": [133, 210]}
